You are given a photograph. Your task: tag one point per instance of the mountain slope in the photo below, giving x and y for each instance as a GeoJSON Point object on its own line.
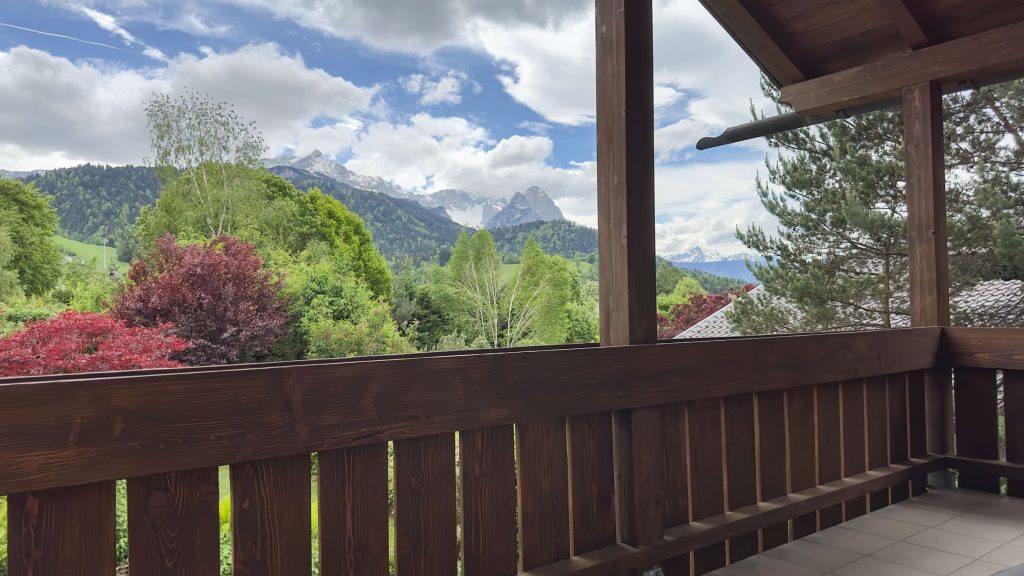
{"type": "Point", "coordinates": [560, 237]}
{"type": "Point", "coordinates": [533, 205]}
{"type": "Point", "coordinates": [465, 208]}
{"type": "Point", "coordinates": [401, 228]}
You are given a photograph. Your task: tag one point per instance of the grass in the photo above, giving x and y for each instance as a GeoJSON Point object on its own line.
{"type": "Point", "coordinates": [91, 252]}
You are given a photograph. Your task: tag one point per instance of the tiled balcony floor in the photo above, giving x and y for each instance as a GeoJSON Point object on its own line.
{"type": "Point", "coordinates": [942, 532]}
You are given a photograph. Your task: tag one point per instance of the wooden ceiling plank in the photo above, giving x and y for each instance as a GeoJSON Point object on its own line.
{"type": "Point", "coordinates": [909, 24]}
{"type": "Point", "coordinates": [997, 51]}
{"type": "Point", "coordinates": [753, 38]}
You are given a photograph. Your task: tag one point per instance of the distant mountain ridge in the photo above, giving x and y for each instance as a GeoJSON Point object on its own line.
{"type": "Point", "coordinates": [470, 209]}
{"type": "Point", "coordinates": [728, 265]}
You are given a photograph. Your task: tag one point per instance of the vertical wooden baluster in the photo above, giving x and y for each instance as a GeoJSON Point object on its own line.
{"type": "Point", "coordinates": [1013, 410]}
{"type": "Point", "coordinates": [977, 423]}
{"type": "Point", "coordinates": [899, 449]}
{"type": "Point", "coordinates": [677, 492]}
{"type": "Point", "coordinates": [854, 445]}
{"type": "Point", "coordinates": [271, 516]}
{"type": "Point", "coordinates": [771, 416]}
{"type": "Point", "coordinates": [706, 475]}
{"type": "Point", "coordinates": [353, 507]}
{"type": "Point", "coordinates": [592, 481]}
{"type": "Point", "coordinates": [917, 426]}
{"type": "Point", "coordinates": [802, 466]}
{"type": "Point", "coordinates": [489, 536]}
{"type": "Point", "coordinates": [425, 523]}
{"type": "Point", "coordinates": [741, 467]}
{"type": "Point", "coordinates": [830, 447]}
{"type": "Point", "coordinates": [173, 524]}
{"type": "Point", "coordinates": [63, 531]}
{"type": "Point", "coordinates": [877, 394]}
{"type": "Point", "coordinates": [543, 492]}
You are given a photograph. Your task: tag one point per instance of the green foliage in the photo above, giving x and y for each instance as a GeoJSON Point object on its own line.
{"type": "Point", "coordinates": [685, 288]}
{"type": "Point", "coordinates": [669, 275]}
{"type": "Point", "coordinates": [18, 311]}
{"type": "Point", "coordinates": [121, 522]}
{"type": "Point", "coordinates": [103, 257]}
{"type": "Point", "coordinates": [10, 284]}
{"type": "Point", "coordinates": [558, 237]}
{"type": "Point", "coordinates": [3, 536]}
{"type": "Point", "coordinates": [29, 223]}
{"type": "Point", "coordinates": [90, 199]}
{"type": "Point", "coordinates": [84, 287]}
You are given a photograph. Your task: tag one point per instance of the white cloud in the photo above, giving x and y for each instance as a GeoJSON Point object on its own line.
{"type": "Point", "coordinates": [110, 24]}
{"type": "Point", "coordinates": [84, 111]}
{"type": "Point", "coordinates": [446, 89]}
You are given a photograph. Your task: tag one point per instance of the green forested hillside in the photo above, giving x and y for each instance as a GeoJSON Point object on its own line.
{"type": "Point", "coordinates": [560, 237]}
{"type": "Point", "coordinates": [93, 202]}
{"type": "Point", "coordinates": [402, 229]}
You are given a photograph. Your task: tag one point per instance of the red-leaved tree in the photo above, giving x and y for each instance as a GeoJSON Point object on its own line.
{"type": "Point", "coordinates": [73, 342]}
{"type": "Point", "coordinates": [218, 296]}
{"type": "Point", "coordinates": [682, 317]}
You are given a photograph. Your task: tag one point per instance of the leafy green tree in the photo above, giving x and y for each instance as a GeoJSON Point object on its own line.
{"type": "Point", "coordinates": [30, 224]}
{"type": "Point", "coordinates": [84, 286]}
{"type": "Point", "coordinates": [685, 288]}
{"type": "Point", "coordinates": [9, 282]}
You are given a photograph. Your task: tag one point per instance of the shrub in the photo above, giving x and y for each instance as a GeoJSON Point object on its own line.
{"type": "Point", "coordinates": [217, 295]}
{"type": "Point", "coordinates": [3, 536]}
{"type": "Point", "coordinates": [73, 342]}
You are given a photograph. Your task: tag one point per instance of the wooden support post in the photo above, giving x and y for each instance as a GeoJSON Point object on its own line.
{"type": "Point", "coordinates": [625, 205]}
{"type": "Point", "coordinates": [928, 246]}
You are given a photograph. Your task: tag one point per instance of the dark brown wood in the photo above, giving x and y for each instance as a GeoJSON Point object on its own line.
{"type": "Point", "coordinates": [1000, 348]}
{"type": "Point", "coordinates": [977, 423]}
{"type": "Point", "coordinates": [899, 442]}
{"type": "Point", "coordinates": [353, 500]}
{"type": "Point", "coordinates": [543, 493]}
{"type": "Point", "coordinates": [1013, 410]}
{"type": "Point", "coordinates": [876, 392]}
{"type": "Point", "coordinates": [752, 37]}
{"type": "Point", "coordinates": [271, 517]}
{"type": "Point", "coordinates": [999, 51]}
{"type": "Point", "coordinates": [926, 204]}
{"type": "Point", "coordinates": [854, 442]}
{"type": "Point", "coordinates": [641, 457]}
{"type": "Point", "coordinates": [909, 24]}
{"type": "Point", "coordinates": [136, 426]}
{"type": "Point", "coordinates": [802, 465]}
{"type": "Point", "coordinates": [592, 481]}
{"type": "Point", "coordinates": [707, 496]}
{"type": "Point", "coordinates": [66, 531]}
{"type": "Point", "coordinates": [771, 416]}
{"type": "Point", "coordinates": [625, 171]}
{"type": "Point", "coordinates": [917, 425]}
{"type": "Point", "coordinates": [982, 467]}
{"type": "Point", "coordinates": [615, 560]}
{"type": "Point", "coordinates": [489, 538]}
{"type": "Point", "coordinates": [677, 492]}
{"type": "Point", "coordinates": [174, 528]}
{"type": "Point", "coordinates": [425, 522]}
{"type": "Point", "coordinates": [830, 447]}
{"type": "Point", "coordinates": [741, 467]}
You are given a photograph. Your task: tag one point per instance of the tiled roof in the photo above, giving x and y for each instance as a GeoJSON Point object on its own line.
{"type": "Point", "coordinates": [990, 303]}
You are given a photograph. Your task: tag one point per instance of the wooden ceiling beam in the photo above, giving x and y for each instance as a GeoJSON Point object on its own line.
{"type": "Point", "coordinates": [755, 40]}
{"type": "Point", "coordinates": [908, 24]}
{"type": "Point", "coordinates": [991, 53]}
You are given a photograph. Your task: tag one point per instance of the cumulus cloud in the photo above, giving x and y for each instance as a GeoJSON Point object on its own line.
{"type": "Point", "coordinates": [445, 89]}
{"type": "Point", "coordinates": [85, 111]}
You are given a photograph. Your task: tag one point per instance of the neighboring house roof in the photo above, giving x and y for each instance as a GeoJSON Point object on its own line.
{"type": "Point", "coordinates": [989, 303]}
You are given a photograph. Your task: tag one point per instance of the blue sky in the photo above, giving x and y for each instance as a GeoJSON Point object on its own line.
{"type": "Point", "coordinates": [490, 96]}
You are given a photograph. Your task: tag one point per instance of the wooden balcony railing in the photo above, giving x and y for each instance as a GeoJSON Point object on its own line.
{"type": "Point", "coordinates": [750, 442]}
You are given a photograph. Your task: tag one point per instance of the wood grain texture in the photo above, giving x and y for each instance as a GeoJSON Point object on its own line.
{"type": "Point", "coordinates": [917, 425]}
{"type": "Point", "coordinates": [677, 492]}
{"type": "Point", "coordinates": [592, 482]}
{"type": "Point", "coordinates": [706, 476]}
{"type": "Point", "coordinates": [425, 521]}
{"type": "Point", "coordinates": [977, 423]}
{"type": "Point", "coordinates": [741, 467]}
{"type": "Point", "coordinates": [992, 52]}
{"type": "Point", "coordinates": [877, 398]}
{"type": "Point", "coordinates": [625, 171]}
{"type": "Point", "coordinates": [270, 517]}
{"type": "Point", "coordinates": [1013, 409]}
{"type": "Point", "coordinates": [489, 539]}
{"type": "Point", "coordinates": [1000, 348]}
{"type": "Point", "coordinates": [802, 465]}
{"type": "Point", "coordinates": [543, 492]}
{"type": "Point", "coordinates": [174, 526]}
{"type": "Point", "coordinates": [137, 426]}
{"type": "Point", "coordinates": [771, 414]}
{"type": "Point", "coordinates": [854, 442]}
{"type": "Point", "coordinates": [65, 531]}
{"type": "Point", "coordinates": [353, 508]}
{"type": "Point", "coordinates": [909, 23]}
{"type": "Point", "coordinates": [926, 204]}
{"type": "Point", "coordinates": [899, 435]}
{"type": "Point", "coordinates": [641, 460]}
{"type": "Point", "coordinates": [749, 33]}
{"type": "Point", "coordinates": [830, 446]}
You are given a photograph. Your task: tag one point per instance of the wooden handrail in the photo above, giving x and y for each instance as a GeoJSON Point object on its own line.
{"type": "Point", "coordinates": [69, 432]}
{"type": "Point", "coordinates": [998, 348]}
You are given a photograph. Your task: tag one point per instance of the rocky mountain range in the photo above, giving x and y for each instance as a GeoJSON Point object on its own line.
{"type": "Point", "coordinates": [470, 209]}
{"type": "Point", "coordinates": [712, 262]}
